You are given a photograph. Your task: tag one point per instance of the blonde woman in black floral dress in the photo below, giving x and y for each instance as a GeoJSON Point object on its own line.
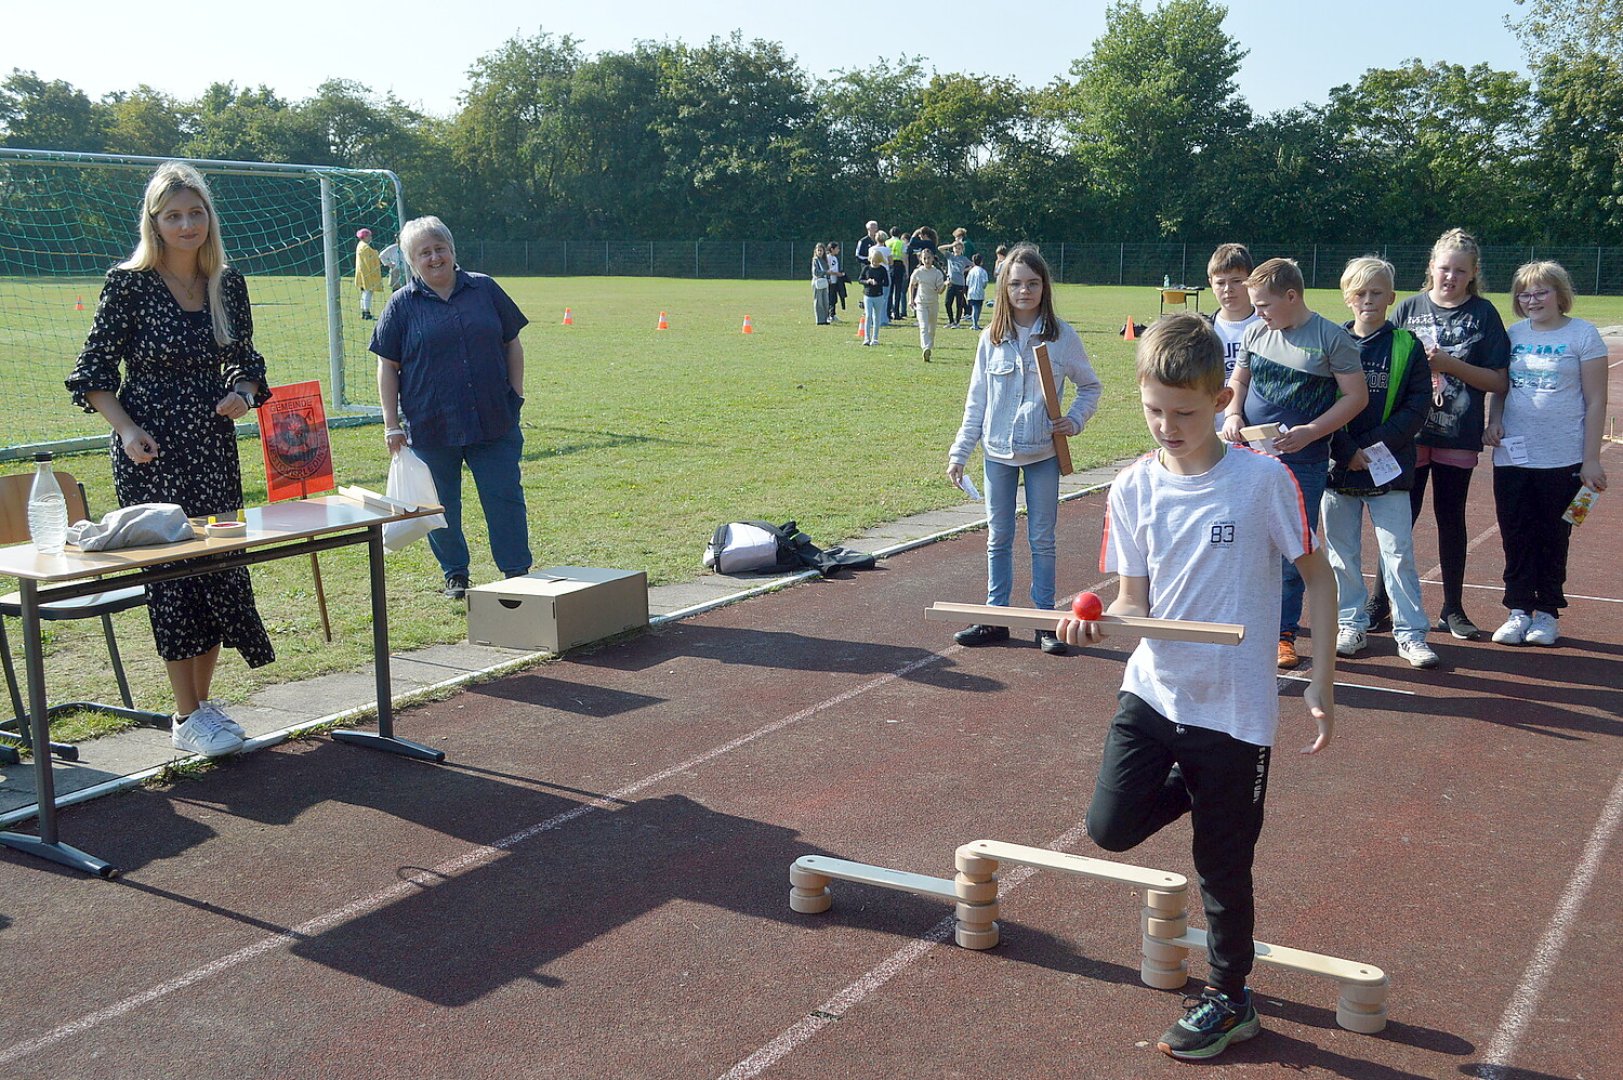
{"type": "Point", "coordinates": [176, 318]}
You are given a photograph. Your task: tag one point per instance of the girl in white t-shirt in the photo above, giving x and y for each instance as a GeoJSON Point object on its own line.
{"type": "Point", "coordinates": [1546, 435]}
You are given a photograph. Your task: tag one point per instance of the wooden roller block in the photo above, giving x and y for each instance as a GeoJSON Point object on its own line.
{"type": "Point", "coordinates": [1166, 904]}
{"type": "Point", "coordinates": [810, 903]}
{"type": "Point", "coordinates": [1365, 1023]}
{"type": "Point", "coordinates": [974, 867]}
{"type": "Point", "coordinates": [805, 879]}
{"type": "Point", "coordinates": [1164, 951]}
{"type": "Point", "coordinates": [1164, 975]}
{"type": "Point", "coordinates": [1165, 928]}
{"type": "Point", "coordinates": [972, 891]}
{"type": "Point", "coordinates": [977, 914]}
{"type": "Point", "coordinates": [975, 938]}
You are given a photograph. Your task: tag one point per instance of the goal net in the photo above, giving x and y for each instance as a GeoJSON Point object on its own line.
{"type": "Point", "coordinates": [290, 229]}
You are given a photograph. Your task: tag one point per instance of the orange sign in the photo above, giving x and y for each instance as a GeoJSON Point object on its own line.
{"type": "Point", "coordinates": [293, 432]}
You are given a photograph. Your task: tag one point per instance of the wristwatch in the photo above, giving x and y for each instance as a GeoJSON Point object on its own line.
{"type": "Point", "coordinates": [247, 399]}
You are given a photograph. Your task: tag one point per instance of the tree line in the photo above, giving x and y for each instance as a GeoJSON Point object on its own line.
{"type": "Point", "coordinates": [1148, 138]}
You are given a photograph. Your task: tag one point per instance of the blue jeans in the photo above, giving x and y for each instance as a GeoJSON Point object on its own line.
{"type": "Point", "coordinates": [494, 465]}
{"type": "Point", "coordinates": [873, 310]}
{"type": "Point", "coordinates": [1042, 510]}
{"type": "Point", "coordinates": [1310, 477]}
{"type": "Point", "coordinates": [884, 306]}
{"type": "Point", "coordinates": [1343, 517]}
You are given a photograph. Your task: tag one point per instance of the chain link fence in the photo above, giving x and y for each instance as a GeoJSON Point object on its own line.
{"type": "Point", "coordinates": [1595, 269]}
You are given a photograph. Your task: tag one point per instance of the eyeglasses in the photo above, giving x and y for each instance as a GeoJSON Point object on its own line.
{"type": "Point", "coordinates": [1534, 297]}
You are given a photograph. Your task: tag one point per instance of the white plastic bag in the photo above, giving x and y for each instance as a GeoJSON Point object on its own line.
{"type": "Point", "coordinates": [411, 484]}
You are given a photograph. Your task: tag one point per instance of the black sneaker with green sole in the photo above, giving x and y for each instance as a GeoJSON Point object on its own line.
{"type": "Point", "coordinates": [1210, 1022]}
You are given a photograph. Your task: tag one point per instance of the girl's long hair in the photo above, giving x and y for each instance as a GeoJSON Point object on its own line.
{"type": "Point", "coordinates": [1457, 240]}
{"type": "Point", "coordinates": [1002, 328]}
{"type": "Point", "coordinates": [172, 178]}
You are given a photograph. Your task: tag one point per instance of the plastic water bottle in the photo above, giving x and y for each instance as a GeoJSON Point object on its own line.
{"type": "Point", "coordinates": [47, 509]}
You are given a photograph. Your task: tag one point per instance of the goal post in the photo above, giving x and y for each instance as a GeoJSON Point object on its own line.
{"type": "Point", "coordinates": [65, 218]}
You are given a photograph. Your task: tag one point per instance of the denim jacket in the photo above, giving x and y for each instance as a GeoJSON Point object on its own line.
{"type": "Point", "coordinates": [1005, 406]}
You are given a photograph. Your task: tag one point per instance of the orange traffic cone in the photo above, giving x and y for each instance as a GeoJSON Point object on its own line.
{"type": "Point", "coordinates": [748, 329]}
{"type": "Point", "coordinates": [1128, 333]}
{"type": "Point", "coordinates": [862, 327]}
{"type": "Point", "coordinates": [663, 325]}
{"type": "Point", "coordinates": [79, 304]}
{"type": "Point", "coordinates": [568, 320]}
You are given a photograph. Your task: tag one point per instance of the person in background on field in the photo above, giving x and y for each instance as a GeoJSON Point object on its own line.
{"type": "Point", "coordinates": [923, 239]}
{"type": "Point", "coordinates": [975, 285]}
{"type": "Point", "coordinates": [870, 237]}
{"type": "Point", "coordinates": [960, 235]}
{"type": "Point", "coordinates": [836, 281]}
{"type": "Point", "coordinates": [924, 292]}
{"type": "Point", "coordinates": [1005, 411]}
{"type": "Point", "coordinates": [997, 267]}
{"type": "Point", "coordinates": [898, 273]}
{"type": "Point", "coordinates": [1468, 351]}
{"type": "Point", "coordinates": [449, 357]}
{"type": "Point", "coordinates": [394, 261]}
{"type": "Point", "coordinates": [1196, 531]}
{"type": "Point", "coordinates": [1546, 435]}
{"type": "Point", "coordinates": [819, 269]}
{"type": "Point", "coordinates": [1227, 270]}
{"type": "Point", "coordinates": [957, 285]}
{"type": "Point", "coordinates": [368, 270]}
{"type": "Point", "coordinates": [1297, 369]}
{"type": "Point", "coordinates": [882, 246]}
{"type": "Point", "coordinates": [1399, 397]}
{"type": "Point", "coordinates": [176, 315]}
{"type": "Point", "coordinates": [875, 277]}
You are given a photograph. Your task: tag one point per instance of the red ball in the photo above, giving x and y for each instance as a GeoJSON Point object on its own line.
{"type": "Point", "coordinates": [1088, 607]}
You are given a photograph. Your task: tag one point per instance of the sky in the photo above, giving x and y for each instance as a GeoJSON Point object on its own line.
{"type": "Point", "coordinates": [421, 51]}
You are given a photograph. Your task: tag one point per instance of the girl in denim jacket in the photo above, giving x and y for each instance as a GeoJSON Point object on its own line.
{"type": "Point", "coordinates": [1005, 411]}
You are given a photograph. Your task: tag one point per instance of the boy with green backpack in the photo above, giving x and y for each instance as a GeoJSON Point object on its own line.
{"type": "Point", "coordinates": [1372, 462]}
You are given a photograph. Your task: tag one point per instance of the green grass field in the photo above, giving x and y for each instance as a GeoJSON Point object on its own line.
{"type": "Point", "coordinates": [638, 443]}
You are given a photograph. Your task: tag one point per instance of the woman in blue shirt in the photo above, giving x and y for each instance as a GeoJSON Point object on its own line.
{"type": "Point", "coordinates": [450, 359]}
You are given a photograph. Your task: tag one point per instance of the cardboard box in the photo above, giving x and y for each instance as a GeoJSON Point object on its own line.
{"type": "Point", "coordinates": [557, 608]}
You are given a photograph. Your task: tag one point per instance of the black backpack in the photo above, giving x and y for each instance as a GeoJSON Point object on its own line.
{"type": "Point", "coordinates": [740, 547]}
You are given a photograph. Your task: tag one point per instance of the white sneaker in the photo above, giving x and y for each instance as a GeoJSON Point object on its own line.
{"type": "Point", "coordinates": [1350, 642]}
{"type": "Point", "coordinates": [1543, 631]}
{"type": "Point", "coordinates": [1418, 653]}
{"type": "Point", "coordinates": [201, 733]}
{"type": "Point", "coordinates": [1514, 630]}
{"type": "Point", "coordinates": [223, 718]}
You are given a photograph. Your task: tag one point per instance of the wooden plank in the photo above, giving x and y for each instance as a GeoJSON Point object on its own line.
{"type": "Point", "coordinates": [884, 877]}
{"type": "Point", "coordinates": [1260, 433]}
{"type": "Point", "coordinates": [1100, 869]}
{"type": "Point", "coordinates": [1112, 625]}
{"type": "Point", "coordinates": [1045, 370]}
{"type": "Point", "coordinates": [1331, 967]}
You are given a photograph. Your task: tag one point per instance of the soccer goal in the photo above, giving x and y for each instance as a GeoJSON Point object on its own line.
{"type": "Point", "coordinates": [66, 218]}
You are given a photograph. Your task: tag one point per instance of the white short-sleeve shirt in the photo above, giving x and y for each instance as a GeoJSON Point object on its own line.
{"type": "Point", "coordinates": [1210, 546]}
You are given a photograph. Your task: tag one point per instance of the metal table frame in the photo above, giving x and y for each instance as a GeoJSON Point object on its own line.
{"type": "Point", "coordinates": [48, 845]}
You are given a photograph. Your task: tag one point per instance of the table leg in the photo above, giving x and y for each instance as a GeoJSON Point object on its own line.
{"type": "Point", "coordinates": [45, 845]}
{"type": "Point", "coordinates": [384, 739]}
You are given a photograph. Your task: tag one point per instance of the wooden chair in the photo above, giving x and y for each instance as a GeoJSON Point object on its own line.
{"type": "Point", "coordinates": [14, 530]}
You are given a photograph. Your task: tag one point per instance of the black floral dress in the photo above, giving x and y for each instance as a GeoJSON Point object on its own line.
{"type": "Point", "coordinates": [175, 373]}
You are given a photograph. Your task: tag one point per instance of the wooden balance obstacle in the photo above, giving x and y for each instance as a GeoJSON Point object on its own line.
{"type": "Point", "coordinates": [1166, 934]}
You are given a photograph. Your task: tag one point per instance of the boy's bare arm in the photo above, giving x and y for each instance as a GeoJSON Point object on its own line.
{"type": "Point", "coordinates": [1234, 412]}
{"type": "Point", "coordinates": [1322, 603]}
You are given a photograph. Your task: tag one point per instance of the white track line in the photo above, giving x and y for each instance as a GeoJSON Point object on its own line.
{"type": "Point", "coordinates": [424, 878]}
{"type": "Point", "coordinates": [856, 992]}
{"type": "Point", "coordinates": [1524, 1003]}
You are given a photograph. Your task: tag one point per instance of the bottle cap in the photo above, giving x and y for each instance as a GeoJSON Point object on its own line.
{"type": "Point", "coordinates": [43, 455]}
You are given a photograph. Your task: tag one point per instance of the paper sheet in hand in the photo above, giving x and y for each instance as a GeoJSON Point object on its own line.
{"type": "Point", "coordinates": [1516, 447]}
{"type": "Point", "coordinates": [1383, 467]}
{"type": "Point", "coordinates": [968, 487]}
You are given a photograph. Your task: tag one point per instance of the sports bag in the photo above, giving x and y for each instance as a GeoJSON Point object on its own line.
{"type": "Point", "coordinates": [740, 547]}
